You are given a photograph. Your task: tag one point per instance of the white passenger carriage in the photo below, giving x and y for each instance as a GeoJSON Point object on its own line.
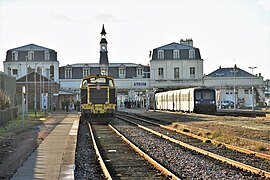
{"type": "Point", "coordinates": [198, 99]}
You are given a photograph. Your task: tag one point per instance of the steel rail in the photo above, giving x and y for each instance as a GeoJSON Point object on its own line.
{"type": "Point", "coordinates": [100, 160]}
{"type": "Point", "coordinates": [207, 153]}
{"type": "Point", "coordinates": [232, 147]}
{"type": "Point", "coordinates": [158, 166]}
{"type": "Point", "coordinates": [210, 154]}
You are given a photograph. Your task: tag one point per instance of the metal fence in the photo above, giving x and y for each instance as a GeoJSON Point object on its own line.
{"type": "Point", "coordinates": [7, 115]}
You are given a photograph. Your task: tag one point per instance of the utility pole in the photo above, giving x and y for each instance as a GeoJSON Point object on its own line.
{"type": "Point", "coordinates": [234, 87]}
{"type": "Point", "coordinates": [26, 96]}
{"type": "Point", "coordinates": [252, 88]}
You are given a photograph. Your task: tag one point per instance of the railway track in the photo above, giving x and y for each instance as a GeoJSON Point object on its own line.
{"type": "Point", "coordinates": [247, 162]}
{"type": "Point", "coordinates": [118, 160]}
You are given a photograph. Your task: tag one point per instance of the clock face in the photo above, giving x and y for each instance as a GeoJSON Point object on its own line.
{"type": "Point", "coordinates": [103, 47]}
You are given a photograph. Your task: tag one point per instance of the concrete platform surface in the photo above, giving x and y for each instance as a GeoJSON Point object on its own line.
{"type": "Point", "coordinates": [55, 157]}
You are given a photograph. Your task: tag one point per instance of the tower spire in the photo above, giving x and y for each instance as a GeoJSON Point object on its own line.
{"type": "Point", "coordinates": [103, 48]}
{"type": "Point", "coordinates": [103, 32]}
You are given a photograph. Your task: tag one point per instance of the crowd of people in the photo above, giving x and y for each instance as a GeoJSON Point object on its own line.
{"type": "Point", "coordinates": [70, 105]}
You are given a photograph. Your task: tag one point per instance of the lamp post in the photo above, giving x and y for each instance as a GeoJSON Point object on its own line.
{"type": "Point", "coordinates": [252, 88]}
{"type": "Point", "coordinates": [219, 75]}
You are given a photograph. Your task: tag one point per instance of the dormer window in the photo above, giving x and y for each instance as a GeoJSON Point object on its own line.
{"type": "Point", "coordinates": [14, 56]}
{"type": "Point", "coordinates": [160, 54]}
{"type": "Point", "coordinates": [47, 55]}
{"type": "Point", "coordinates": [104, 71]}
{"type": "Point", "coordinates": [68, 72]}
{"type": "Point", "coordinates": [86, 71]}
{"type": "Point", "coordinates": [176, 54]}
{"type": "Point", "coordinates": [139, 72]}
{"type": "Point", "coordinates": [191, 54]}
{"type": "Point", "coordinates": [122, 71]}
{"type": "Point", "coordinates": [30, 56]}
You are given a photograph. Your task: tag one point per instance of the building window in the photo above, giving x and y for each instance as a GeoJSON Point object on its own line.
{"type": "Point", "coordinates": [160, 54]}
{"type": "Point", "coordinates": [14, 71]}
{"type": "Point", "coordinates": [176, 73]}
{"type": "Point", "coordinates": [14, 56]}
{"type": "Point", "coordinates": [30, 56]}
{"type": "Point", "coordinates": [247, 91]}
{"type": "Point", "coordinates": [192, 72]}
{"type": "Point", "coordinates": [176, 54]}
{"type": "Point", "coordinates": [122, 72]}
{"type": "Point", "coordinates": [160, 73]}
{"type": "Point", "coordinates": [139, 72]}
{"type": "Point", "coordinates": [104, 71]}
{"type": "Point", "coordinates": [191, 54]}
{"type": "Point", "coordinates": [47, 55]}
{"type": "Point", "coordinates": [86, 72]}
{"type": "Point", "coordinates": [68, 73]}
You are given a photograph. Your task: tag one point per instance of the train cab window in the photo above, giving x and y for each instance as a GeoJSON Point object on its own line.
{"type": "Point", "coordinates": [84, 84]}
{"type": "Point", "coordinates": [97, 80]}
{"type": "Point", "coordinates": [198, 95]}
{"type": "Point", "coordinates": [208, 95]}
{"type": "Point", "coordinates": [204, 95]}
{"type": "Point", "coordinates": [111, 83]}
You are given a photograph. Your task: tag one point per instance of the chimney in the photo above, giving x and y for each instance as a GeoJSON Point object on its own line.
{"type": "Point", "coordinates": [187, 42]}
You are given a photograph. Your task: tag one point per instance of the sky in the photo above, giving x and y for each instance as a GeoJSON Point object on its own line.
{"type": "Point", "coordinates": [227, 32]}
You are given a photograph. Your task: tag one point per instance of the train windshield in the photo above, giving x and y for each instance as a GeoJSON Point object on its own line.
{"type": "Point", "coordinates": [205, 95]}
{"type": "Point", "coordinates": [98, 81]}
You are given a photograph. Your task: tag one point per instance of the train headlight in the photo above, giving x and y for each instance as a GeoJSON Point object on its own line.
{"type": "Point", "coordinates": [90, 103]}
{"type": "Point", "coordinates": [212, 102]}
{"type": "Point", "coordinates": [197, 102]}
{"type": "Point", "coordinates": [106, 102]}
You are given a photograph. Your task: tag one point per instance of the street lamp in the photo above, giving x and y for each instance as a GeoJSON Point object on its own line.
{"type": "Point", "coordinates": [219, 75]}
{"type": "Point", "coordinates": [252, 89]}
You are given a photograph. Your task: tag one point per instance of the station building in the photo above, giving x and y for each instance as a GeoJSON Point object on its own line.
{"type": "Point", "coordinates": [237, 85]}
{"type": "Point", "coordinates": [37, 68]}
{"type": "Point", "coordinates": [131, 79]}
{"type": "Point", "coordinates": [172, 66]}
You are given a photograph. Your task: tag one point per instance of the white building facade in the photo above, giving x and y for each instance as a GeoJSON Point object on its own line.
{"type": "Point", "coordinates": [176, 65]}
{"type": "Point", "coordinates": [31, 56]}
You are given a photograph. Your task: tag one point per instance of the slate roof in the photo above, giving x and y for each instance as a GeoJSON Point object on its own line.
{"type": "Point", "coordinates": [30, 47]}
{"type": "Point", "coordinates": [229, 72]}
{"type": "Point", "coordinates": [110, 64]}
{"type": "Point", "coordinates": [174, 45]}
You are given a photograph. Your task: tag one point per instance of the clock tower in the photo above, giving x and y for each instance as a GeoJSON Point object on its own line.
{"type": "Point", "coordinates": [103, 48]}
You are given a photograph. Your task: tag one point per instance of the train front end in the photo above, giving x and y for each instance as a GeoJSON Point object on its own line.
{"type": "Point", "coordinates": [98, 97]}
{"type": "Point", "coordinates": [205, 100]}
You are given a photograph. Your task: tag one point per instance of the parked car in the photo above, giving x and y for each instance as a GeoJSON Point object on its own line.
{"type": "Point", "coordinates": [227, 104]}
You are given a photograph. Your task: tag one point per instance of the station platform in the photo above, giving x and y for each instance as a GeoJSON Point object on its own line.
{"type": "Point", "coordinates": [55, 157]}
